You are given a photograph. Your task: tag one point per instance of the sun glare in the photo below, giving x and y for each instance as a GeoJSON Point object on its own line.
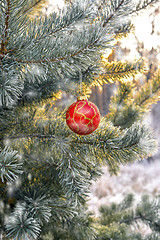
{"type": "Point", "coordinates": [146, 35]}
{"type": "Point", "coordinates": [54, 5]}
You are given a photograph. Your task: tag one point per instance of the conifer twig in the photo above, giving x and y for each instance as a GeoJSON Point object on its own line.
{"type": "Point", "coordinates": [71, 55]}
{"type": "Point", "coordinates": [4, 38]}
{"type": "Point", "coordinates": [112, 15]}
{"type": "Point", "coordinates": [32, 6]}
{"type": "Point", "coordinates": [54, 59]}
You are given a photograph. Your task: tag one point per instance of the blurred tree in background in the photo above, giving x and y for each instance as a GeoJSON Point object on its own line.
{"type": "Point", "coordinates": [45, 168]}
{"type": "Point", "coordinates": [143, 42]}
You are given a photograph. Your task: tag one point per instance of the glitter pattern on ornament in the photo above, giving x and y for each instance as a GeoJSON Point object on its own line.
{"type": "Point", "coordinates": [83, 117]}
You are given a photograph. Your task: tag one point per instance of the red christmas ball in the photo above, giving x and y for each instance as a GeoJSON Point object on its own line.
{"type": "Point", "coordinates": [83, 117]}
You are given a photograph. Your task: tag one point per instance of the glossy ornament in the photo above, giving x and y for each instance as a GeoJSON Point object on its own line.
{"type": "Point", "coordinates": [83, 117]}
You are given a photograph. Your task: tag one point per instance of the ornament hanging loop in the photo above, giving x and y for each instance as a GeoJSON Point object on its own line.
{"type": "Point", "coordinates": [81, 91]}
{"type": "Point", "coordinates": [80, 83]}
{"type": "Point", "coordinates": [81, 95]}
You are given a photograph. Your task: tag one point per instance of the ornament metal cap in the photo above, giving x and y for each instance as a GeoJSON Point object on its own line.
{"type": "Point", "coordinates": [81, 98]}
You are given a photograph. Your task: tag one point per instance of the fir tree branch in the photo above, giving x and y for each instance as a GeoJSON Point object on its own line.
{"type": "Point", "coordinates": [129, 105]}
{"type": "Point", "coordinates": [72, 18]}
{"type": "Point", "coordinates": [86, 47]}
{"type": "Point", "coordinates": [148, 94]}
{"type": "Point", "coordinates": [117, 71]}
{"type": "Point", "coordinates": [85, 142]}
{"type": "Point", "coordinates": [143, 4]}
{"type": "Point", "coordinates": [119, 103]}
{"type": "Point", "coordinates": [21, 226]}
{"type": "Point", "coordinates": [112, 15]}
{"type": "Point", "coordinates": [54, 59]}
{"type": "Point", "coordinates": [32, 6]}
{"type": "Point", "coordinates": [36, 203]}
{"type": "Point", "coordinates": [11, 82]}
{"type": "Point", "coordinates": [7, 20]}
{"type": "Point", "coordinates": [111, 143]}
{"type": "Point", "coordinates": [9, 165]}
{"type": "Point", "coordinates": [28, 136]}
{"type": "Point", "coordinates": [146, 212]}
{"type": "Point", "coordinates": [4, 37]}
{"type": "Point", "coordinates": [2, 71]}
{"type": "Point", "coordinates": [71, 169]}
{"type": "Point", "coordinates": [30, 157]}
{"type": "Point", "coordinates": [75, 183]}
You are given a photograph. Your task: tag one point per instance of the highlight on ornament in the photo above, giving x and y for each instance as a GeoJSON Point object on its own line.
{"type": "Point", "coordinates": [83, 117]}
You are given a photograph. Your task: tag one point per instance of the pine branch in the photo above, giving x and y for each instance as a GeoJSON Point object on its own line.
{"type": "Point", "coordinates": [93, 42]}
{"type": "Point", "coordinates": [20, 226]}
{"type": "Point", "coordinates": [50, 59]}
{"type": "Point", "coordinates": [148, 211]}
{"type": "Point", "coordinates": [112, 144]}
{"type": "Point", "coordinates": [122, 111]}
{"type": "Point", "coordinates": [129, 104]}
{"type": "Point", "coordinates": [54, 59]}
{"type": "Point", "coordinates": [11, 84]}
{"type": "Point", "coordinates": [36, 203]}
{"type": "Point", "coordinates": [60, 66]}
{"type": "Point", "coordinates": [118, 219]}
{"type": "Point", "coordinates": [10, 168]}
{"type": "Point", "coordinates": [117, 71]}
{"type": "Point", "coordinates": [62, 211]}
{"type": "Point", "coordinates": [148, 94]}
{"type": "Point", "coordinates": [28, 136]}
{"type": "Point", "coordinates": [117, 147]}
{"type": "Point", "coordinates": [115, 10]}
{"type": "Point", "coordinates": [78, 226]}
{"type": "Point", "coordinates": [38, 58]}
{"type": "Point", "coordinates": [75, 183]}
{"type": "Point", "coordinates": [30, 8]}
{"type": "Point", "coordinates": [66, 17]}
{"type": "Point", "coordinates": [4, 37]}
{"type": "Point", "coordinates": [144, 4]}
{"type": "Point", "coordinates": [141, 5]}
